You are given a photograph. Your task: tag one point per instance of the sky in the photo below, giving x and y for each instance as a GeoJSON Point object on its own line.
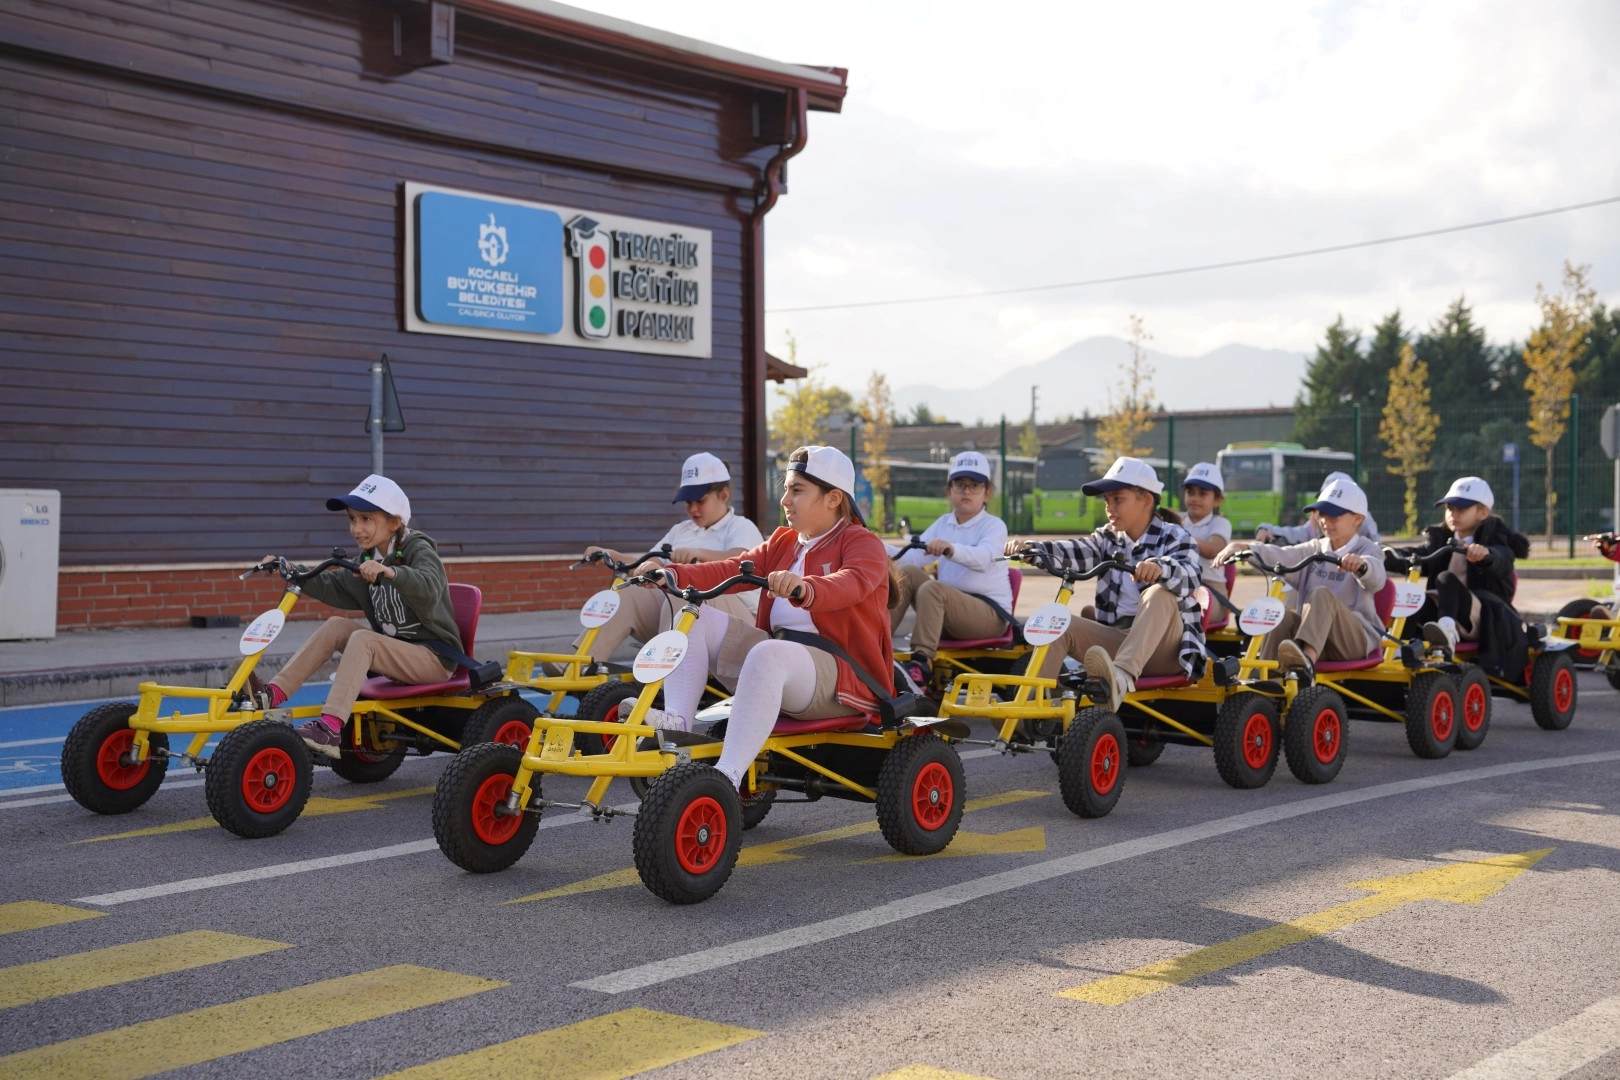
{"type": "Point", "coordinates": [986, 146]}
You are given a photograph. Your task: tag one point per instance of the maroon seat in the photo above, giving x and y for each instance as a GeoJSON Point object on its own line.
{"type": "Point", "coordinates": [465, 600]}
{"type": "Point", "coordinates": [1371, 661]}
{"type": "Point", "coordinates": [1015, 578]}
{"type": "Point", "coordinates": [1464, 647]}
{"type": "Point", "coordinates": [1162, 682]}
{"type": "Point", "coordinates": [791, 725]}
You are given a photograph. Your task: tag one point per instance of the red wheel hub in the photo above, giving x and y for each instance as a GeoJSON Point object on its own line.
{"type": "Point", "coordinates": [110, 765]}
{"type": "Point", "coordinates": [267, 782]}
{"type": "Point", "coordinates": [614, 715]}
{"type": "Point", "coordinates": [1257, 740]}
{"type": "Point", "coordinates": [488, 826]}
{"type": "Point", "coordinates": [513, 733]}
{"type": "Point", "coordinates": [1442, 713]}
{"type": "Point", "coordinates": [931, 796]}
{"type": "Point", "coordinates": [1473, 706]}
{"type": "Point", "coordinates": [1563, 690]}
{"type": "Point", "coordinates": [1325, 736]}
{"type": "Point", "coordinates": [700, 835]}
{"type": "Point", "coordinates": [1105, 764]}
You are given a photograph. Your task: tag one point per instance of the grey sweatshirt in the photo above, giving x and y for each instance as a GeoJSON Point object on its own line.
{"type": "Point", "coordinates": [1356, 592]}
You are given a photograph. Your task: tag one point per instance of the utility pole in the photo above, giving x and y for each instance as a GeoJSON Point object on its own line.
{"type": "Point", "coordinates": [1034, 396]}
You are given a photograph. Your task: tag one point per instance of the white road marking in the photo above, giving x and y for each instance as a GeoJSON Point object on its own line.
{"type": "Point", "coordinates": [301, 866]}
{"type": "Point", "coordinates": [910, 907]}
{"type": "Point", "coordinates": [33, 742]}
{"type": "Point", "coordinates": [13, 804]}
{"type": "Point", "coordinates": [1558, 1051]}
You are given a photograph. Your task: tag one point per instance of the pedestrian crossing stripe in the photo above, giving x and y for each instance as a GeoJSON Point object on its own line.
{"type": "Point", "coordinates": [620, 1044]}
{"type": "Point", "coordinates": [202, 1035]}
{"type": "Point", "coordinates": [45, 979]}
{"type": "Point", "coordinates": [34, 915]}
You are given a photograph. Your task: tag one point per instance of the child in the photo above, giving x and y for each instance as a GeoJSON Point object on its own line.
{"type": "Point", "coordinates": [842, 569]}
{"type": "Point", "coordinates": [973, 596]}
{"type": "Point", "coordinates": [403, 590]}
{"type": "Point", "coordinates": [1202, 494]}
{"type": "Point", "coordinates": [711, 530]}
{"type": "Point", "coordinates": [1150, 623]}
{"type": "Point", "coordinates": [1311, 528]}
{"type": "Point", "coordinates": [1471, 594]}
{"type": "Point", "coordinates": [1337, 619]}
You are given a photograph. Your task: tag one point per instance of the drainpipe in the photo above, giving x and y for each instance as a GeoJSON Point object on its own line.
{"type": "Point", "coordinates": [770, 189]}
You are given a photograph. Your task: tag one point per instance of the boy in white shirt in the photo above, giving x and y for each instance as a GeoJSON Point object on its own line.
{"type": "Point", "coordinates": [973, 596]}
{"type": "Point", "coordinates": [1202, 494]}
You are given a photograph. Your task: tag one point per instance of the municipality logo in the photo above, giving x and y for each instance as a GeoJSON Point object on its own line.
{"type": "Point", "coordinates": [492, 243]}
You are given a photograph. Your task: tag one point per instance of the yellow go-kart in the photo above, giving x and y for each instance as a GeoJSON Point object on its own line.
{"type": "Point", "coordinates": [688, 829]}
{"type": "Point", "coordinates": [1003, 653]}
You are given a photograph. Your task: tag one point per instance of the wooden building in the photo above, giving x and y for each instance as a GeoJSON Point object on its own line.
{"type": "Point", "coordinates": [209, 232]}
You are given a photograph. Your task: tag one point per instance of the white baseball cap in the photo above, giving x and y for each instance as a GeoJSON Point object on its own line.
{"type": "Point", "coordinates": [1123, 473]}
{"type": "Point", "coordinates": [1205, 475]}
{"type": "Point", "coordinates": [1467, 491]}
{"type": "Point", "coordinates": [972, 464]}
{"type": "Point", "coordinates": [375, 493]}
{"type": "Point", "coordinates": [1340, 497]}
{"type": "Point", "coordinates": [700, 471]}
{"type": "Point", "coordinates": [831, 466]}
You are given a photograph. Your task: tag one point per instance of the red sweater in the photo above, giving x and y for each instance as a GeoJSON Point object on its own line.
{"type": "Point", "coordinates": [849, 570]}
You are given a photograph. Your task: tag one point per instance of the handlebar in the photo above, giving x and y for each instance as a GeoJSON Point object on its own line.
{"type": "Point", "coordinates": [1254, 557]}
{"type": "Point", "coordinates": [1042, 561]}
{"type": "Point", "coordinates": [280, 565]}
{"type": "Point", "coordinates": [913, 544]}
{"type": "Point", "coordinates": [693, 595]}
{"type": "Point", "coordinates": [1447, 551]}
{"type": "Point", "coordinates": [663, 551]}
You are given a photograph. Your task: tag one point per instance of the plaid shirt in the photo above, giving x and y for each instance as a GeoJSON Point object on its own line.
{"type": "Point", "coordinates": [1171, 547]}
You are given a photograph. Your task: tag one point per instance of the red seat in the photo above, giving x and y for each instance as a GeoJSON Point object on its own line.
{"type": "Point", "coordinates": [1370, 661]}
{"type": "Point", "coordinates": [1162, 682]}
{"type": "Point", "coordinates": [1384, 601]}
{"type": "Point", "coordinates": [1464, 647]}
{"type": "Point", "coordinates": [465, 600]}
{"type": "Point", "coordinates": [1015, 578]}
{"type": "Point", "coordinates": [792, 725]}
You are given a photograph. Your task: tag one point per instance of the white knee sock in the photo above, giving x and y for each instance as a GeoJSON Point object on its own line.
{"type": "Point", "coordinates": [683, 688]}
{"type": "Point", "coordinates": [776, 675]}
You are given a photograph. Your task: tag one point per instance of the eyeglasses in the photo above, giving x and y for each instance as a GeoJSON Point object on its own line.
{"type": "Point", "coordinates": [962, 483]}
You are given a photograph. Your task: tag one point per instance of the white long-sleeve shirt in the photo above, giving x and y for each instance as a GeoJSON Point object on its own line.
{"type": "Point", "coordinates": [976, 544]}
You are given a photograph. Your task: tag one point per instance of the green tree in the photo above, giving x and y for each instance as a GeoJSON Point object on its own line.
{"type": "Point", "coordinates": [1029, 441]}
{"type": "Point", "coordinates": [805, 405]}
{"type": "Point", "coordinates": [1408, 428]}
{"type": "Point", "coordinates": [877, 418]}
{"type": "Point", "coordinates": [1326, 391]}
{"type": "Point", "coordinates": [921, 416]}
{"type": "Point", "coordinates": [1464, 369]}
{"type": "Point", "coordinates": [1557, 345]}
{"type": "Point", "coordinates": [1597, 374]}
{"type": "Point", "coordinates": [1121, 432]}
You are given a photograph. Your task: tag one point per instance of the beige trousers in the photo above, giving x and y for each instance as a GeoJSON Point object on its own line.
{"type": "Point", "coordinates": [942, 611]}
{"type": "Point", "coordinates": [365, 652]}
{"type": "Point", "coordinates": [1152, 645]}
{"type": "Point", "coordinates": [1327, 626]}
{"type": "Point", "coordinates": [644, 612]}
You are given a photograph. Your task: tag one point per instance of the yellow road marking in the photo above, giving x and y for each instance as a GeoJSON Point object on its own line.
{"type": "Point", "coordinates": [928, 1072]}
{"type": "Point", "coordinates": [965, 844]}
{"type": "Point", "coordinates": [191, 1038]}
{"type": "Point", "coordinates": [315, 807]}
{"type": "Point", "coordinates": [34, 914]}
{"type": "Point", "coordinates": [765, 854]}
{"type": "Point", "coordinates": [1461, 883]}
{"type": "Point", "coordinates": [609, 1047]}
{"type": "Point", "coordinates": [44, 979]}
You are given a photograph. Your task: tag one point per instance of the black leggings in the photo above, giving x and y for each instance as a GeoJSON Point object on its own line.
{"type": "Point", "coordinates": [1451, 597]}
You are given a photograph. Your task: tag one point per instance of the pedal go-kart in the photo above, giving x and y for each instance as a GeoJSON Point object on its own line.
{"type": "Point", "coordinates": [1005, 653]}
{"type": "Point", "coordinates": [688, 829]}
{"type": "Point", "coordinates": [1587, 623]}
{"type": "Point", "coordinates": [259, 776]}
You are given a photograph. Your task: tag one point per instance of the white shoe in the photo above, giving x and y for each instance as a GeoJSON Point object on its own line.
{"type": "Point", "coordinates": [665, 721]}
{"type": "Point", "coordinates": [1442, 634]}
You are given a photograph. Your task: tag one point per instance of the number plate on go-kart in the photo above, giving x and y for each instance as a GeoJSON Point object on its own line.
{"type": "Point", "coordinates": [1262, 616]}
{"type": "Point", "coordinates": [261, 632]}
{"type": "Point", "coordinates": [660, 656]}
{"type": "Point", "coordinates": [599, 609]}
{"type": "Point", "coordinates": [1047, 624]}
{"type": "Point", "coordinates": [1409, 596]}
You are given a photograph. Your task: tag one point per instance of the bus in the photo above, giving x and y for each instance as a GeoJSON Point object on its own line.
{"type": "Point", "coordinates": [1272, 481]}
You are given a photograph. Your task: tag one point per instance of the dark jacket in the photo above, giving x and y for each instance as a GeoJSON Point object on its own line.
{"type": "Point", "coordinates": [414, 606]}
{"type": "Point", "coordinates": [1493, 574]}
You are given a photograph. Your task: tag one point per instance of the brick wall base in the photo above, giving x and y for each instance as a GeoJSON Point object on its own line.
{"type": "Point", "coordinates": [102, 597]}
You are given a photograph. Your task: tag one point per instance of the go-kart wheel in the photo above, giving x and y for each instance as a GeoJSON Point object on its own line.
{"type": "Point", "coordinates": [1552, 691]}
{"type": "Point", "coordinates": [1612, 673]}
{"type": "Point", "coordinates": [1091, 763]}
{"type": "Point", "coordinates": [470, 821]}
{"type": "Point", "coordinates": [371, 761]}
{"type": "Point", "coordinates": [919, 794]}
{"type": "Point", "coordinates": [95, 768]}
{"type": "Point", "coordinates": [688, 833]}
{"type": "Point", "coordinates": [1314, 735]}
{"type": "Point", "coordinates": [1246, 740]}
{"type": "Point", "coordinates": [1473, 707]}
{"type": "Point", "coordinates": [507, 719]}
{"type": "Point", "coordinates": [1431, 715]}
{"type": "Point", "coordinates": [259, 779]}
{"type": "Point", "coordinates": [603, 704]}
{"type": "Point", "coordinates": [1144, 749]}
{"type": "Point", "coordinates": [754, 806]}
{"type": "Point", "coordinates": [1584, 608]}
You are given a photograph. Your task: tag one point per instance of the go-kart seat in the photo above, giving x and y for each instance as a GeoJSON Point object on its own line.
{"type": "Point", "coordinates": [792, 725]}
{"type": "Point", "coordinates": [1384, 604]}
{"type": "Point", "coordinates": [1163, 682]}
{"type": "Point", "coordinates": [465, 600]}
{"type": "Point", "coordinates": [1004, 640]}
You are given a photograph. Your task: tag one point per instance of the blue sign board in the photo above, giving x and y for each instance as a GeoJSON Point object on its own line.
{"type": "Point", "coordinates": [1510, 453]}
{"type": "Point", "coordinates": [489, 264]}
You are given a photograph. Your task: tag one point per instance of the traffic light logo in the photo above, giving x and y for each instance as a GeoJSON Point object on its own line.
{"type": "Point", "coordinates": [592, 249]}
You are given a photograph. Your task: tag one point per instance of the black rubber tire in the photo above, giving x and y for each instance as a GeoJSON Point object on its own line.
{"type": "Point", "coordinates": [902, 775]}
{"type": "Point", "coordinates": [484, 722]}
{"type": "Point", "coordinates": [683, 809]}
{"type": "Point", "coordinates": [247, 774]}
{"type": "Point", "coordinates": [463, 798]}
{"type": "Point", "coordinates": [754, 809]}
{"type": "Point", "coordinates": [1246, 751]}
{"type": "Point", "coordinates": [1094, 744]}
{"type": "Point", "coordinates": [1473, 707]}
{"type": "Point", "coordinates": [366, 766]}
{"type": "Point", "coordinates": [1552, 691]}
{"type": "Point", "coordinates": [1303, 729]}
{"type": "Point", "coordinates": [598, 704]}
{"type": "Point", "coordinates": [1613, 675]}
{"type": "Point", "coordinates": [1432, 715]}
{"type": "Point", "coordinates": [85, 782]}
{"type": "Point", "coordinates": [1143, 751]}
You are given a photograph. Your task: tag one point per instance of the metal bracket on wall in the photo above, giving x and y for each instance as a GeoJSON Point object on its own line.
{"type": "Point", "coordinates": [425, 33]}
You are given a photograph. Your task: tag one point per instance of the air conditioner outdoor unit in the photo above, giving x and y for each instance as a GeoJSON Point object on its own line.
{"type": "Point", "coordinates": [30, 533]}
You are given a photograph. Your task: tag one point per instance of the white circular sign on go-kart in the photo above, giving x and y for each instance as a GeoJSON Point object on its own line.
{"type": "Point", "coordinates": [1262, 616]}
{"type": "Point", "coordinates": [660, 656]}
{"type": "Point", "coordinates": [1409, 596]}
{"type": "Point", "coordinates": [261, 632]}
{"type": "Point", "coordinates": [599, 609]}
{"type": "Point", "coordinates": [1047, 624]}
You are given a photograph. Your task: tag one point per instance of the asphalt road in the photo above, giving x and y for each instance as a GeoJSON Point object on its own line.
{"type": "Point", "coordinates": [348, 946]}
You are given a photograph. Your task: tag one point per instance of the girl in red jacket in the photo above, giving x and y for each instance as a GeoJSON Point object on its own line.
{"type": "Point", "coordinates": [829, 576]}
